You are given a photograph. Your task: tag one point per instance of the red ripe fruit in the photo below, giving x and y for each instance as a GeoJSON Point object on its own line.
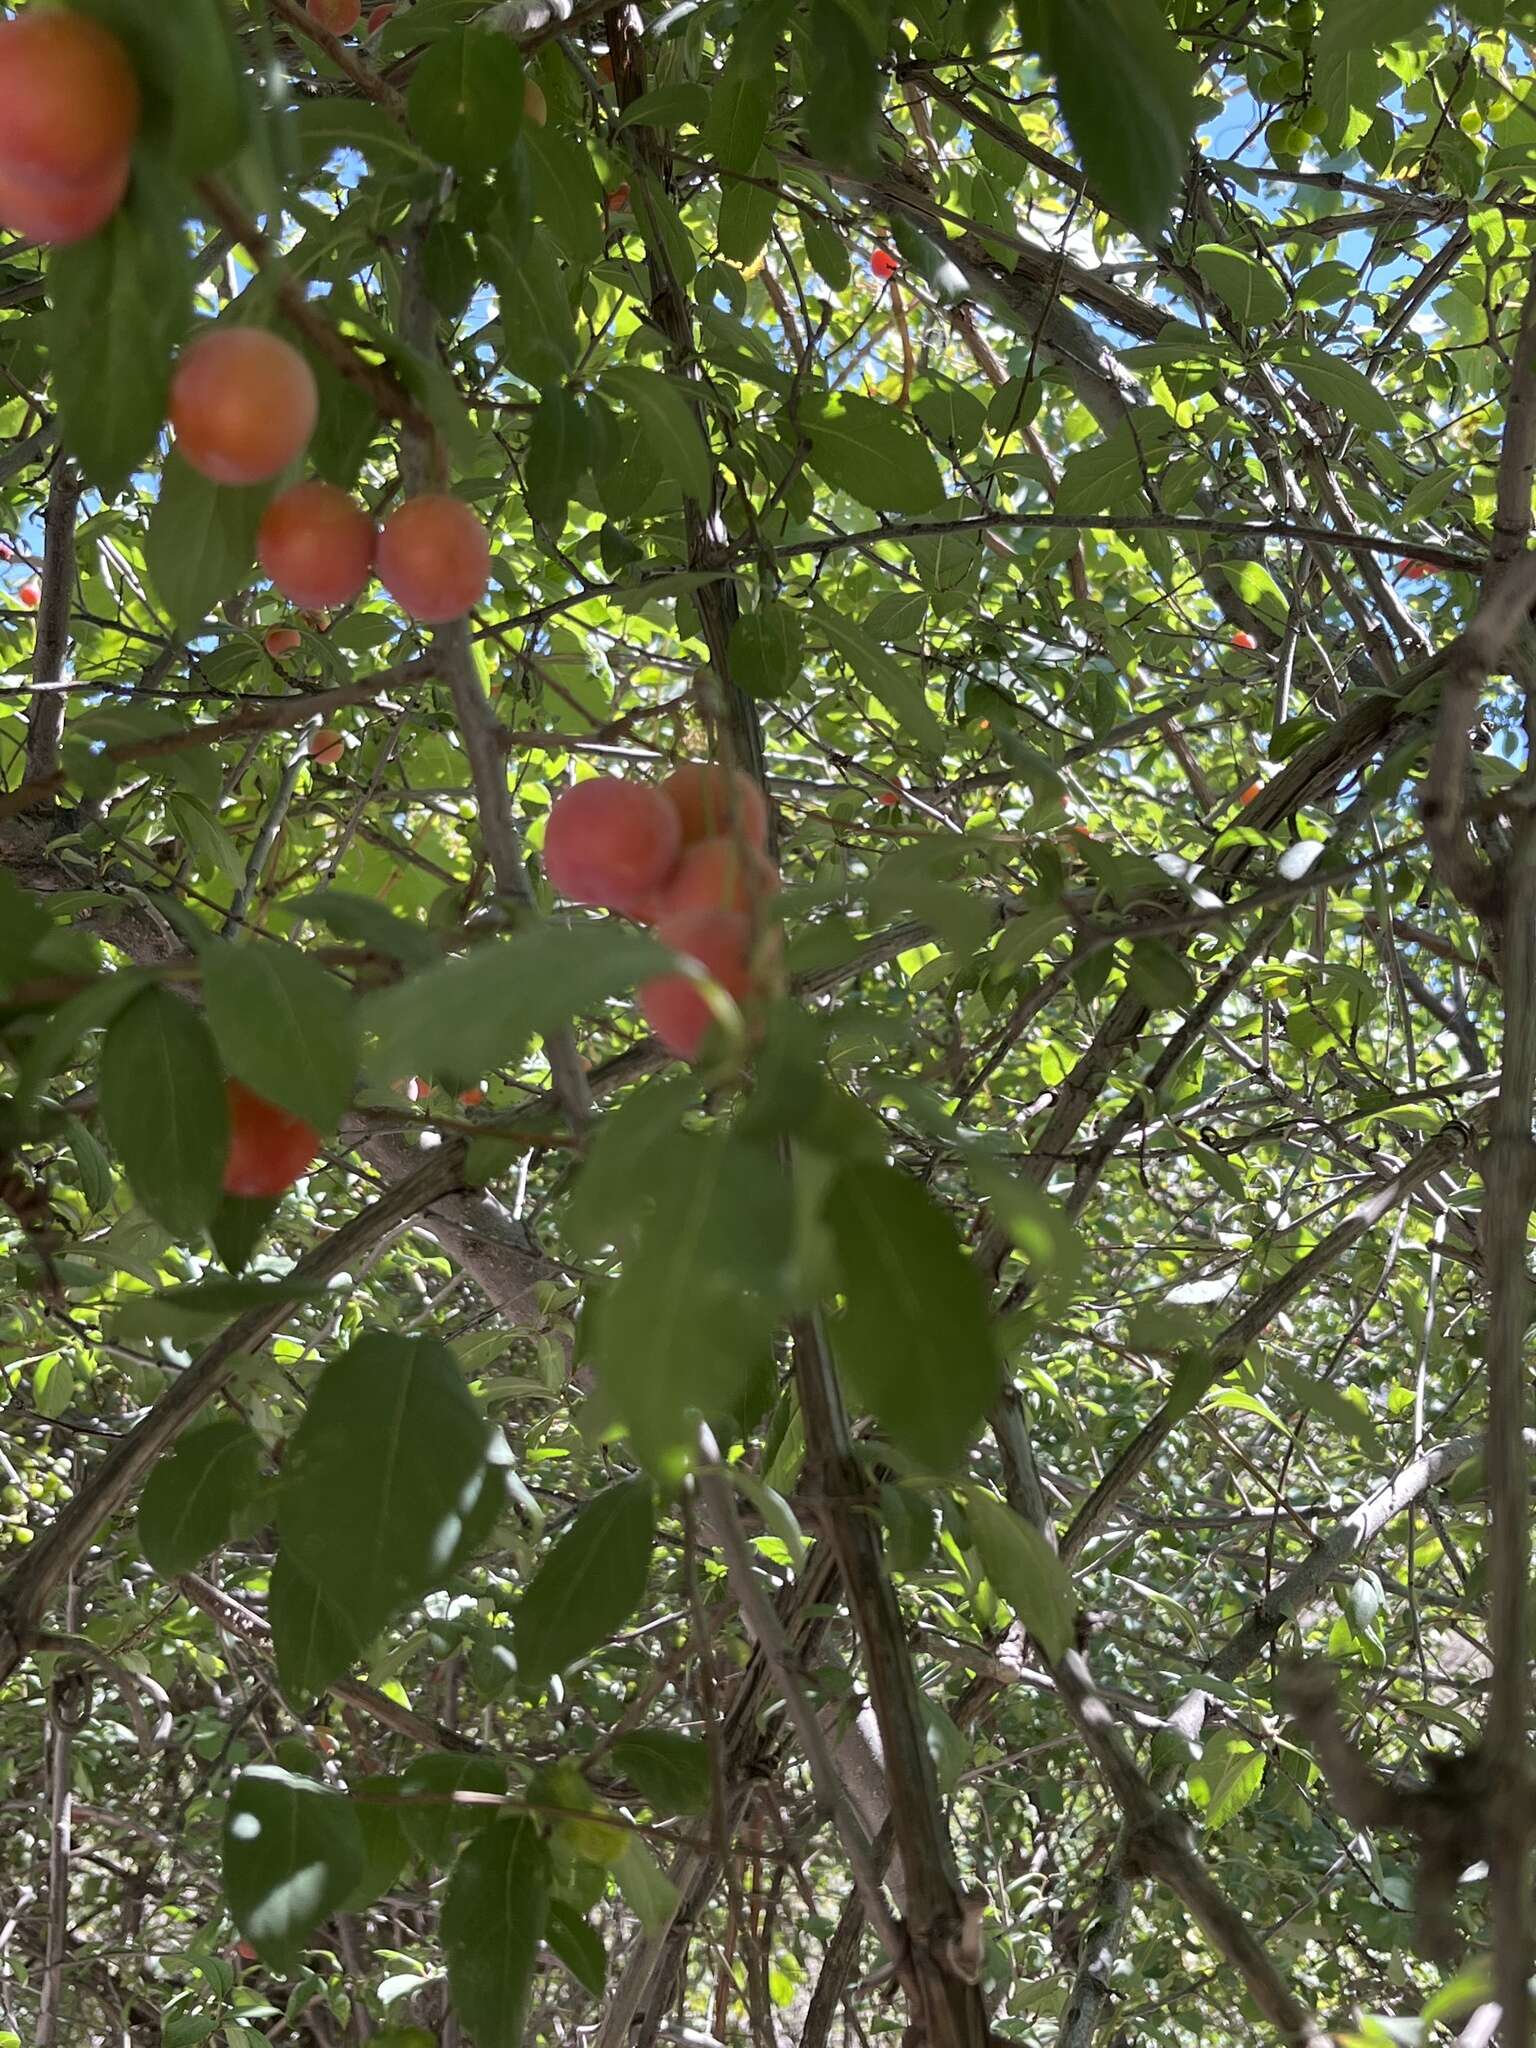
{"type": "Point", "coordinates": [672, 1004]}
{"type": "Point", "coordinates": [316, 544]}
{"type": "Point", "coordinates": [717, 874]}
{"type": "Point", "coordinates": [326, 746]}
{"type": "Point", "coordinates": [1415, 572]}
{"type": "Point", "coordinates": [379, 16]}
{"type": "Point", "coordinates": [612, 843]}
{"type": "Point", "coordinates": [282, 640]}
{"type": "Point", "coordinates": [243, 404]}
{"type": "Point", "coordinates": [884, 265]}
{"type": "Point", "coordinates": [471, 1098]}
{"type": "Point", "coordinates": [69, 101]}
{"type": "Point", "coordinates": [433, 558]}
{"type": "Point", "coordinates": [1250, 792]}
{"type": "Point", "coordinates": [713, 802]}
{"type": "Point", "coordinates": [29, 594]}
{"type": "Point", "coordinates": [1244, 642]}
{"type": "Point", "coordinates": [60, 214]}
{"type": "Point", "coordinates": [339, 16]}
{"type": "Point", "coordinates": [617, 199]}
{"type": "Point", "coordinates": [7, 552]}
{"type": "Point", "coordinates": [889, 797]}
{"type": "Point", "coordinates": [268, 1148]}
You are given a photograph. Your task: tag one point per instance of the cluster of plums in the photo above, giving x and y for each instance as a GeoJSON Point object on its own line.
{"type": "Point", "coordinates": [685, 855]}
{"type": "Point", "coordinates": [244, 402]}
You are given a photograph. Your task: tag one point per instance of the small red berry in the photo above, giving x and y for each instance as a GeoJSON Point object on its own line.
{"type": "Point", "coordinates": [888, 797]}
{"type": "Point", "coordinates": [617, 199]}
{"type": "Point", "coordinates": [471, 1098]}
{"type": "Point", "coordinates": [1415, 572]}
{"type": "Point", "coordinates": [1250, 792]}
{"type": "Point", "coordinates": [884, 265]}
{"type": "Point", "coordinates": [29, 594]}
{"type": "Point", "coordinates": [268, 1148]}
{"type": "Point", "coordinates": [1244, 642]}
{"type": "Point", "coordinates": [282, 640]}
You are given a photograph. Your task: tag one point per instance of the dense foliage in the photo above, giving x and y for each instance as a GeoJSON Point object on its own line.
{"type": "Point", "coordinates": [820, 1542]}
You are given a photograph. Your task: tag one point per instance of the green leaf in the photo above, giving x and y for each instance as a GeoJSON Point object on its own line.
{"type": "Point", "coordinates": [162, 1097]}
{"type": "Point", "coordinates": [1331, 1402]}
{"type": "Point", "coordinates": [428, 1784]}
{"type": "Point", "coordinates": [567, 192]}
{"type": "Point", "coordinates": [897, 685]}
{"type": "Point", "coordinates": [538, 337]}
{"type": "Point", "coordinates": [1126, 91]}
{"type": "Point", "coordinates": [669, 424]}
{"type": "Point", "coordinates": [1339, 385]}
{"type": "Point", "coordinates": [1227, 1777]}
{"type": "Point", "coordinates": [215, 852]}
{"type": "Point", "coordinates": [117, 302]}
{"type": "Point", "coordinates": [193, 1496]}
{"type": "Point", "coordinates": [313, 1639]}
{"type": "Point", "coordinates": [1255, 294]}
{"type": "Point", "coordinates": [386, 1478]}
{"type": "Point", "coordinates": [469, 1015]}
{"type": "Point", "coordinates": [693, 1312]}
{"type": "Point", "coordinates": [871, 451]}
{"type": "Point", "coordinates": [199, 63]}
{"type": "Point", "coordinates": [647, 1890]}
{"type": "Point", "coordinates": [1112, 475]}
{"type": "Point", "coordinates": [284, 1026]}
{"type": "Point", "coordinates": [371, 924]}
{"type": "Point", "coordinates": [667, 106]}
{"type": "Point", "coordinates": [845, 46]}
{"type": "Point", "coordinates": [578, 1945]}
{"type": "Point", "coordinates": [670, 1771]}
{"type": "Point", "coordinates": [53, 1386]}
{"type": "Point", "coordinates": [1024, 1569]}
{"type": "Point", "coordinates": [747, 208]}
{"type": "Point", "coordinates": [466, 99]}
{"type": "Point", "coordinates": [385, 1847]}
{"type": "Point", "coordinates": [602, 1210]}
{"type": "Point", "coordinates": [915, 1338]}
{"type": "Point", "coordinates": [1159, 976]}
{"type": "Point", "coordinates": [492, 1922]}
{"type": "Point", "coordinates": [767, 648]}
{"type": "Point", "coordinates": [92, 1165]}
{"type": "Point", "coordinates": [201, 542]}
{"type": "Point", "coordinates": [740, 106]}
{"type": "Point", "coordinates": [293, 1851]}
{"type": "Point", "coordinates": [588, 1585]}
{"type": "Point", "coordinates": [559, 449]}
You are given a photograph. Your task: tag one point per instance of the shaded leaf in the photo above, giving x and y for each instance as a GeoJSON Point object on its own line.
{"type": "Point", "coordinates": [588, 1585]}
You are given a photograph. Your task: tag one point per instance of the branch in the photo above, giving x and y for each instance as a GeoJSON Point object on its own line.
{"type": "Point", "coordinates": [263, 715]}
{"type": "Point", "coordinates": [1517, 455]}
{"type": "Point", "coordinates": [1151, 522]}
{"type": "Point", "coordinates": [45, 721]}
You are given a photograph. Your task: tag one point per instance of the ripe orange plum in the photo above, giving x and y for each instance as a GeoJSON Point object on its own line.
{"type": "Point", "coordinates": [717, 874]}
{"type": "Point", "coordinates": [62, 213]}
{"type": "Point", "coordinates": [379, 16]}
{"type": "Point", "coordinates": [673, 1005]}
{"type": "Point", "coordinates": [282, 640]}
{"type": "Point", "coordinates": [715, 802]}
{"type": "Point", "coordinates": [268, 1148]}
{"type": "Point", "coordinates": [326, 746]}
{"type": "Point", "coordinates": [316, 544]}
{"type": "Point", "coordinates": [243, 404]}
{"type": "Point", "coordinates": [29, 593]}
{"type": "Point", "coordinates": [433, 558]}
{"type": "Point", "coordinates": [1244, 642]}
{"type": "Point", "coordinates": [611, 843]}
{"type": "Point", "coordinates": [339, 16]}
{"type": "Point", "coordinates": [69, 100]}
